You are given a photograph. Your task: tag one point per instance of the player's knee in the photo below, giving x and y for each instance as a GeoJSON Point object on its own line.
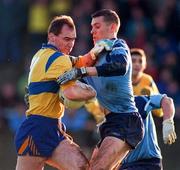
{"type": "Point", "coordinates": [24, 163]}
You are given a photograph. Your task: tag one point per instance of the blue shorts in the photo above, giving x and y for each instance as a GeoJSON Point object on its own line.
{"type": "Point", "coordinates": [125, 126]}
{"type": "Point", "coordinates": [144, 164]}
{"type": "Point", "coordinates": [39, 136]}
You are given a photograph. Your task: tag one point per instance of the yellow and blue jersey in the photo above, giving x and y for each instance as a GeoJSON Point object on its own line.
{"type": "Point", "coordinates": [47, 64]}
{"type": "Point", "coordinates": [147, 86]}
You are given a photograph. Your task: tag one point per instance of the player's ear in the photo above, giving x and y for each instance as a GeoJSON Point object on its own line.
{"type": "Point", "coordinates": [114, 27]}
{"type": "Point", "coordinates": [144, 63]}
{"type": "Point", "coordinates": [51, 37]}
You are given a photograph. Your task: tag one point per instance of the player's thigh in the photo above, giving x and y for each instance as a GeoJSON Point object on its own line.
{"type": "Point", "coordinates": [111, 151]}
{"type": "Point", "coordinates": [30, 163]}
{"type": "Point", "coordinates": [68, 156]}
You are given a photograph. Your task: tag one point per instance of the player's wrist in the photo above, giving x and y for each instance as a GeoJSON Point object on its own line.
{"type": "Point", "coordinates": [82, 72]}
{"type": "Point", "coordinates": [168, 121]}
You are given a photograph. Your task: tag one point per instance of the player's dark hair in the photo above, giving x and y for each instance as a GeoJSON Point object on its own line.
{"type": "Point", "coordinates": [110, 16]}
{"type": "Point", "coordinates": [137, 51]}
{"type": "Point", "coordinates": [58, 22]}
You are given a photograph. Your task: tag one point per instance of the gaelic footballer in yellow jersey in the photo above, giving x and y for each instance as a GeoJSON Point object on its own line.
{"type": "Point", "coordinates": [41, 138]}
{"type": "Point", "coordinates": [43, 89]}
{"type": "Point", "coordinates": [146, 86]}
{"type": "Point", "coordinates": [46, 66]}
{"type": "Point", "coordinates": [42, 84]}
{"type": "Point", "coordinates": [143, 84]}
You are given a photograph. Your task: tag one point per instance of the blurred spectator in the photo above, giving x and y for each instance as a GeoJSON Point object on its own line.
{"type": "Point", "coordinates": [162, 46]}
{"type": "Point", "coordinates": [81, 126]}
{"type": "Point", "coordinates": [15, 116]}
{"type": "Point", "coordinates": [13, 17]}
{"type": "Point", "coordinates": [38, 21]}
{"type": "Point", "coordinates": [9, 111]}
{"type": "Point", "coordinates": [138, 28]}
{"type": "Point", "coordinates": [111, 4]}
{"type": "Point", "coordinates": [82, 16]}
{"type": "Point", "coordinates": [8, 95]}
{"type": "Point", "coordinates": [2, 118]}
{"type": "Point", "coordinates": [60, 7]}
{"type": "Point", "coordinates": [165, 76]}
{"type": "Point", "coordinates": [23, 78]}
{"type": "Point", "coordinates": [152, 67]}
{"type": "Point", "coordinates": [173, 91]}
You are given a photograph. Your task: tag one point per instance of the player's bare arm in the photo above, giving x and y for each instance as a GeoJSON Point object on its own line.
{"type": "Point", "coordinates": [169, 134]}
{"type": "Point", "coordinates": [79, 91]}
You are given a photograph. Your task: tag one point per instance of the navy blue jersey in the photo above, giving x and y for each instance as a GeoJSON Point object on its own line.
{"type": "Point", "coordinates": [148, 147]}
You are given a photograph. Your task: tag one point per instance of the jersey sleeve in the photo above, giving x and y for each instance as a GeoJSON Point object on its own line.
{"type": "Point", "coordinates": [154, 90]}
{"type": "Point", "coordinates": [146, 104]}
{"type": "Point", "coordinates": [154, 102]}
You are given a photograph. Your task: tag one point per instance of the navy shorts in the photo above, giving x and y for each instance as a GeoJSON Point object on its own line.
{"type": "Point", "coordinates": [125, 126]}
{"type": "Point", "coordinates": [144, 164]}
{"type": "Point", "coordinates": [39, 136]}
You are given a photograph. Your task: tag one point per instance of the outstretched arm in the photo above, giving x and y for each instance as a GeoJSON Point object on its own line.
{"type": "Point", "coordinates": [168, 108]}
{"type": "Point", "coordinates": [169, 134]}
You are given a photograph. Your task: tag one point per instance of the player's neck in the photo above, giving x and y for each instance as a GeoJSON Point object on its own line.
{"type": "Point", "coordinates": [136, 79]}
{"type": "Point", "coordinates": [111, 36]}
{"type": "Point", "coordinates": [52, 43]}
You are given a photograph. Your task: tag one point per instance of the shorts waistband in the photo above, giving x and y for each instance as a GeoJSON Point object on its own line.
{"type": "Point", "coordinates": [143, 161]}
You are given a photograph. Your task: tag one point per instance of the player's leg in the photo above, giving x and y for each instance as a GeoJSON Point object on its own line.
{"type": "Point", "coordinates": [30, 163]}
{"type": "Point", "coordinates": [111, 151]}
{"type": "Point", "coordinates": [94, 154]}
{"type": "Point", "coordinates": [117, 129]}
{"type": "Point", "coordinates": [68, 156]}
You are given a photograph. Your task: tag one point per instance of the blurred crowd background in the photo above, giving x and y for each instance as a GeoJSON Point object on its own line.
{"type": "Point", "coordinates": [153, 25]}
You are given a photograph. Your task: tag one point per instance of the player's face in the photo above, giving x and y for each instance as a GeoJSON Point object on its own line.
{"type": "Point", "coordinates": [66, 39]}
{"type": "Point", "coordinates": [138, 64]}
{"type": "Point", "coordinates": [100, 29]}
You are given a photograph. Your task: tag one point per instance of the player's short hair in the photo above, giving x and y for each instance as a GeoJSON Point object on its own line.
{"type": "Point", "coordinates": [110, 16]}
{"type": "Point", "coordinates": [138, 51]}
{"type": "Point", "coordinates": [58, 22]}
